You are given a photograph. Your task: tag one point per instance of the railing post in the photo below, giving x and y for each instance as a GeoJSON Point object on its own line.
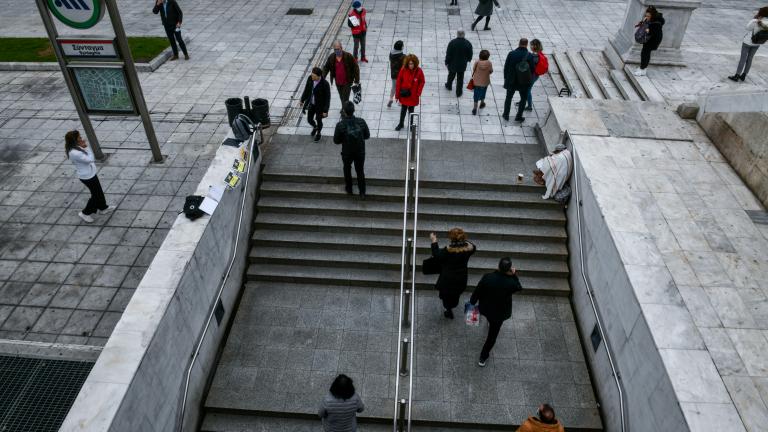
{"type": "Point", "coordinates": [404, 357]}
{"type": "Point", "coordinates": [401, 415]}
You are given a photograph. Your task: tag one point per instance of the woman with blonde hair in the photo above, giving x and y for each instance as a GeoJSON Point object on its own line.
{"type": "Point", "coordinates": [82, 158]}
{"type": "Point", "coordinates": [453, 260]}
{"type": "Point", "coordinates": [410, 83]}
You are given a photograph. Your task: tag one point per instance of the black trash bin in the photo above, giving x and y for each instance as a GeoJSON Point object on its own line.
{"type": "Point", "coordinates": [234, 107]}
{"type": "Point", "coordinates": [260, 112]}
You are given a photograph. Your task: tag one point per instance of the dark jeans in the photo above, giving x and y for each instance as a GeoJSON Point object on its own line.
{"type": "Point", "coordinates": [645, 56]}
{"type": "Point", "coordinates": [479, 17]}
{"type": "Point", "coordinates": [745, 61]}
{"type": "Point", "coordinates": [490, 341]}
{"type": "Point", "coordinates": [97, 200]}
{"type": "Point", "coordinates": [508, 101]}
{"type": "Point", "coordinates": [344, 91]}
{"type": "Point", "coordinates": [174, 36]}
{"type": "Point", "coordinates": [359, 41]}
{"type": "Point", "coordinates": [403, 110]}
{"type": "Point", "coordinates": [359, 162]}
{"type": "Point", "coordinates": [459, 81]}
{"type": "Point", "coordinates": [530, 96]}
{"type": "Point", "coordinates": [315, 118]}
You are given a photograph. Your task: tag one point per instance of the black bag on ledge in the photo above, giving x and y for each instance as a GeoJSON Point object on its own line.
{"type": "Point", "coordinates": [192, 207]}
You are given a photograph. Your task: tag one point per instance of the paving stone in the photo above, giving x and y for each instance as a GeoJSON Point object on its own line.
{"type": "Point", "coordinates": [22, 319]}
{"type": "Point", "coordinates": [68, 296]}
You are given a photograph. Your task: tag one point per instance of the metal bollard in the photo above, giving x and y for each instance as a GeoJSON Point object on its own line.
{"type": "Point", "coordinates": [401, 415]}
{"type": "Point", "coordinates": [407, 308]}
{"type": "Point", "coordinates": [404, 358]}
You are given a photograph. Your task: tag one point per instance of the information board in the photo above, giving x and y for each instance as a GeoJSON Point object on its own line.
{"type": "Point", "coordinates": [104, 89]}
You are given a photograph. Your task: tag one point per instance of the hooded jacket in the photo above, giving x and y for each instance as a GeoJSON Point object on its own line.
{"type": "Point", "coordinates": [655, 34]}
{"type": "Point", "coordinates": [395, 62]}
{"type": "Point", "coordinates": [533, 424]}
{"type": "Point", "coordinates": [753, 27]}
{"type": "Point", "coordinates": [481, 73]}
{"type": "Point", "coordinates": [412, 80]}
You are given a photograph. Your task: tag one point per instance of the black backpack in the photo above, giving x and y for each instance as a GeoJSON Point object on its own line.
{"type": "Point", "coordinates": [242, 127]}
{"type": "Point", "coordinates": [523, 73]}
{"type": "Point", "coordinates": [760, 37]}
{"type": "Point", "coordinates": [192, 207]}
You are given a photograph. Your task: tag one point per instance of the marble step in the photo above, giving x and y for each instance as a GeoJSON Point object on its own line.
{"type": "Point", "coordinates": [493, 248]}
{"type": "Point", "coordinates": [600, 70]}
{"type": "Point", "coordinates": [556, 75]}
{"type": "Point", "coordinates": [457, 213]}
{"type": "Point", "coordinates": [643, 85]}
{"type": "Point", "coordinates": [323, 276]}
{"type": "Point", "coordinates": [569, 75]}
{"type": "Point", "coordinates": [588, 81]}
{"type": "Point", "coordinates": [268, 219]}
{"type": "Point", "coordinates": [624, 86]}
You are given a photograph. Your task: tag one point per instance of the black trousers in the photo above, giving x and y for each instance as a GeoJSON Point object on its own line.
{"type": "Point", "coordinates": [493, 332]}
{"type": "Point", "coordinates": [97, 201]}
{"type": "Point", "coordinates": [645, 56]}
{"type": "Point", "coordinates": [359, 161]}
{"type": "Point", "coordinates": [344, 91]}
{"type": "Point", "coordinates": [459, 81]}
{"type": "Point", "coordinates": [315, 118]}
{"type": "Point", "coordinates": [508, 101]}
{"type": "Point", "coordinates": [359, 42]}
{"type": "Point", "coordinates": [174, 36]}
{"type": "Point", "coordinates": [479, 17]}
{"type": "Point", "coordinates": [403, 110]}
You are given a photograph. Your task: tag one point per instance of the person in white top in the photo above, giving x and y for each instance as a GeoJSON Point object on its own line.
{"type": "Point", "coordinates": [759, 24]}
{"type": "Point", "coordinates": [80, 154]}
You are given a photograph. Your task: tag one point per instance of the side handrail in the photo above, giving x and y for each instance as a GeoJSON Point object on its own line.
{"type": "Point", "coordinates": [416, 134]}
{"type": "Point", "coordinates": [590, 293]}
{"type": "Point", "coordinates": [253, 144]}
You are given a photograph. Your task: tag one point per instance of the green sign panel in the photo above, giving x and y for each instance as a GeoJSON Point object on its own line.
{"type": "Point", "coordinates": [79, 14]}
{"type": "Point", "coordinates": [104, 89]}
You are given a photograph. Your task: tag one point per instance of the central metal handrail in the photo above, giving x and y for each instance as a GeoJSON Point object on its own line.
{"type": "Point", "coordinates": [401, 421]}
{"type": "Point", "coordinates": [590, 293]}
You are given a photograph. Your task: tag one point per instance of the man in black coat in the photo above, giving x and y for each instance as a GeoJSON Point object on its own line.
{"type": "Point", "coordinates": [458, 54]}
{"type": "Point", "coordinates": [316, 100]}
{"type": "Point", "coordinates": [518, 78]}
{"type": "Point", "coordinates": [351, 132]}
{"type": "Point", "coordinates": [171, 16]}
{"type": "Point", "coordinates": [494, 292]}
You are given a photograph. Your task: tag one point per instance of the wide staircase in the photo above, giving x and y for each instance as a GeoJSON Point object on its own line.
{"type": "Point", "coordinates": [323, 288]}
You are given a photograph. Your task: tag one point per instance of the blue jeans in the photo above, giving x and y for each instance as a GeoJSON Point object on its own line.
{"type": "Point", "coordinates": [530, 97]}
{"type": "Point", "coordinates": [479, 93]}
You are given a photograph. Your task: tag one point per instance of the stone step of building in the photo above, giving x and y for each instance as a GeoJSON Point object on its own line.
{"type": "Point", "coordinates": [278, 219]}
{"type": "Point", "coordinates": [452, 211]}
{"type": "Point", "coordinates": [437, 195]}
{"type": "Point", "coordinates": [568, 73]}
{"type": "Point", "coordinates": [357, 260]}
{"type": "Point", "coordinates": [623, 84]}
{"type": "Point", "coordinates": [644, 86]}
{"type": "Point", "coordinates": [600, 70]}
{"type": "Point", "coordinates": [357, 241]}
{"type": "Point", "coordinates": [382, 278]}
{"type": "Point", "coordinates": [585, 76]}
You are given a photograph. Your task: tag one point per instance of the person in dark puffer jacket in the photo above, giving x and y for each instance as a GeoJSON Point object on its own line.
{"type": "Point", "coordinates": [655, 21]}
{"type": "Point", "coordinates": [395, 64]}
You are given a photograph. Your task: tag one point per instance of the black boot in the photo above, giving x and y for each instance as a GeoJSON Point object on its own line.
{"type": "Point", "coordinates": [743, 76]}
{"type": "Point", "coordinates": [734, 77]}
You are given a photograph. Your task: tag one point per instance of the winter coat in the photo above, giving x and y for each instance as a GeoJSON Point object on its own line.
{"type": "Point", "coordinates": [532, 424]}
{"type": "Point", "coordinates": [322, 92]}
{"type": "Point", "coordinates": [485, 7]}
{"type": "Point", "coordinates": [453, 268]}
{"type": "Point", "coordinates": [513, 58]}
{"type": "Point", "coordinates": [458, 54]}
{"type": "Point", "coordinates": [753, 27]}
{"type": "Point", "coordinates": [174, 16]}
{"type": "Point", "coordinates": [363, 27]}
{"type": "Point", "coordinates": [395, 62]}
{"type": "Point", "coordinates": [655, 35]}
{"type": "Point", "coordinates": [494, 292]}
{"type": "Point", "coordinates": [481, 73]}
{"type": "Point", "coordinates": [349, 147]}
{"type": "Point", "coordinates": [350, 65]}
{"type": "Point", "coordinates": [412, 79]}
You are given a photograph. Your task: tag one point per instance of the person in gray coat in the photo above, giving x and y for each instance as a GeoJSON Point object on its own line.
{"type": "Point", "coordinates": [339, 408]}
{"type": "Point", "coordinates": [457, 55]}
{"type": "Point", "coordinates": [484, 9]}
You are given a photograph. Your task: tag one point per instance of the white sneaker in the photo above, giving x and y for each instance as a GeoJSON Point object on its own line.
{"type": "Point", "coordinates": [482, 362]}
{"type": "Point", "coordinates": [85, 217]}
{"type": "Point", "coordinates": [107, 210]}
{"type": "Point", "coordinates": [639, 72]}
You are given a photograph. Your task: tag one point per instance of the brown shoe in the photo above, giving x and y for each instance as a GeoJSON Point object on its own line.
{"type": "Point", "coordinates": [174, 58]}
{"type": "Point", "coordinates": [186, 56]}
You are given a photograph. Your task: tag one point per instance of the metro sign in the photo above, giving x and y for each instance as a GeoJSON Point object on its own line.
{"type": "Point", "coordinates": [79, 14]}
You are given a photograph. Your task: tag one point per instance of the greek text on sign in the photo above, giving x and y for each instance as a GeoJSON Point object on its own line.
{"type": "Point", "coordinates": [79, 14]}
{"type": "Point", "coordinates": [93, 48]}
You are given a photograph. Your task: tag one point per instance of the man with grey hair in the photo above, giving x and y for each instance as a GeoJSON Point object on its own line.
{"type": "Point", "coordinates": [458, 54]}
{"type": "Point", "coordinates": [343, 69]}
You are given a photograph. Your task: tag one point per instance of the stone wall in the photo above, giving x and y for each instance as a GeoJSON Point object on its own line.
{"type": "Point", "coordinates": [742, 137]}
{"type": "Point", "coordinates": [137, 382]}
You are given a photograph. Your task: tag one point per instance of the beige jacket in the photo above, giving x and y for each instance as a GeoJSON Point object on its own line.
{"type": "Point", "coordinates": [481, 73]}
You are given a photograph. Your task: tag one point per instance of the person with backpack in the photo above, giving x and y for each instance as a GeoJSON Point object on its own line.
{"type": "Point", "coordinates": [316, 100]}
{"type": "Point", "coordinates": [351, 132]}
{"type": "Point", "coordinates": [481, 79]}
{"type": "Point", "coordinates": [651, 25]}
{"type": "Point", "coordinates": [457, 55]}
{"type": "Point", "coordinates": [395, 64]}
{"type": "Point", "coordinates": [541, 66]}
{"type": "Point", "coordinates": [518, 76]}
{"type": "Point", "coordinates": [82, 158]}
{"type": "Point", "coordinates": [485, 9]}
{"type": "Point", "coordinates": [357, 22]}
{"type": "Point", "coordinates": [756, 35]}
{"type": "Point", "coordinates": [410, 83]}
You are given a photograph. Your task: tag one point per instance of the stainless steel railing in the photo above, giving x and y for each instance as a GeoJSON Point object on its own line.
{"type": "Point", "coordinates": [407, 319]}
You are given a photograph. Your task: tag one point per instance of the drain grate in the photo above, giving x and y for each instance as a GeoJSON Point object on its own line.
{"type": "Point", "coordinates": [299, 11]}
{"type": "Point", "coordinates": [36, 394]}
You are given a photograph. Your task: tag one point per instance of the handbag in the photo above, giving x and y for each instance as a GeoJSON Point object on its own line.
{"type": "Point", "coordinates": [431, 266]}
{"type": "Point", "coordinates": [471, 84]}
{"type": "Point", "coordinates": [405, 92]}
{"type": "Point", "coordinates": [641, 35]}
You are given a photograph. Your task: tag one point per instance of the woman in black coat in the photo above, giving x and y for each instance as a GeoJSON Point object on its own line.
{"type": "Point", "coordinates": [316, 101]}
{"type": "Point", "coordinates": [484, 9]}
{"type": "Point", "coordinates": [453, 261]}
{"type": "Point", "coordinates": [655, 21]}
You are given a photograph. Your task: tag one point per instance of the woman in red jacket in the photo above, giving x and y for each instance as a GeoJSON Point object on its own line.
{"type": "Point", "coordinates": [410, 83]}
